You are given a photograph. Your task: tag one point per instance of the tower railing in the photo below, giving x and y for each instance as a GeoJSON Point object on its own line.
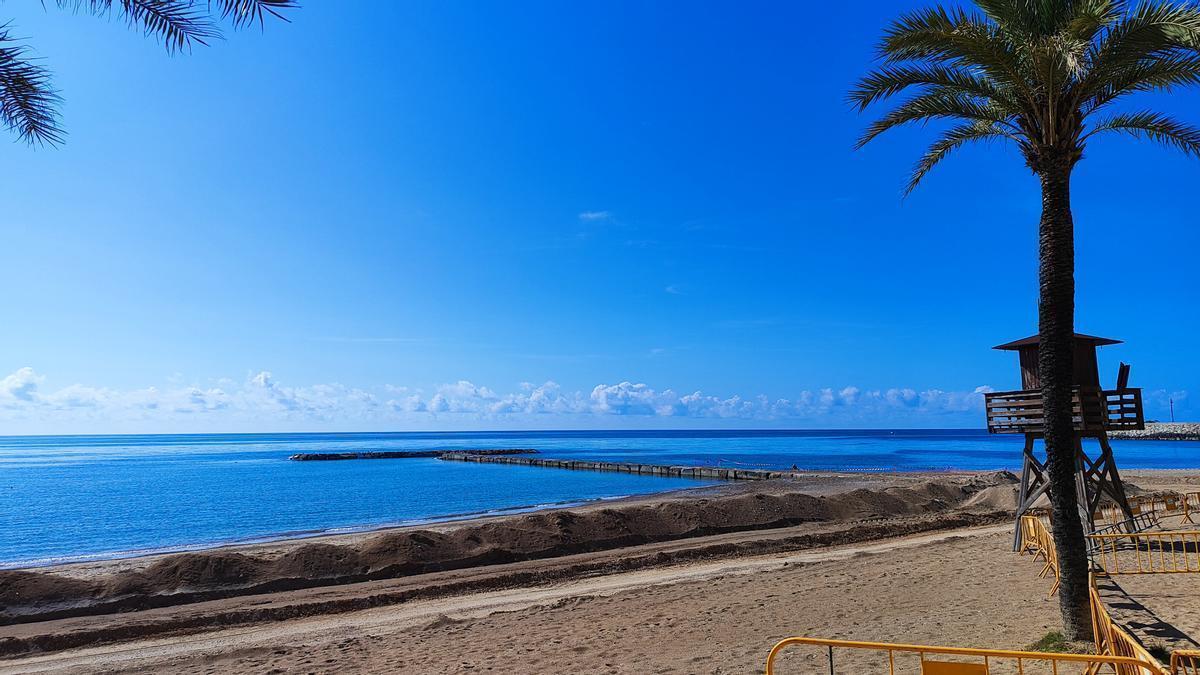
{"type": "Point", "coordinates": [1092, 409]}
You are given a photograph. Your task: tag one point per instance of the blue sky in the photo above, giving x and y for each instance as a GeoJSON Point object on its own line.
{"type": "Point", "coordinates": [442, 215]}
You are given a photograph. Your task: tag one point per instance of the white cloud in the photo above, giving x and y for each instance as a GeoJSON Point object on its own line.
{"type": "Point", "coordinates": [80, 396]}
{"type": "Point", "coordinates": [408, 404]}
{"type": "Point", "coordinates": [592, 216]}
{"type": "Point", "coordinates": [628, 398]}
{"type": "Point", "coordinates": [321, 402]}
{"type": "Point", "coordinates": [261, 401]}
{"type": "Point", "coordinates": [21, 385]}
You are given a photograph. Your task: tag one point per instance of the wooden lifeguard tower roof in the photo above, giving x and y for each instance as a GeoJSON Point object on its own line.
{"type": "Point", "coordinates": [1033, 340]}
{"type": "Point", "coordinates": [1087, 372]}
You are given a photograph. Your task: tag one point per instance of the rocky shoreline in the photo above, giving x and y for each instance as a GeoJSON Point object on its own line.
{"type": "Point", "coordinates": [1163, 431]}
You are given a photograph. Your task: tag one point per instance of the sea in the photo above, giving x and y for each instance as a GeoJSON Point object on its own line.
{"type": "Point", "coordinates": [82, 498]}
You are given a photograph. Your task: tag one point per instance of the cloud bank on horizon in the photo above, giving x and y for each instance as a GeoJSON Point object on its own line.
{"type": "Point", "coordinates": [260, 402]}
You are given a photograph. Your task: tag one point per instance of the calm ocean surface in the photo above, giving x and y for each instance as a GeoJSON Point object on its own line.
{"type": "Point", "coordinates": [71, 498]}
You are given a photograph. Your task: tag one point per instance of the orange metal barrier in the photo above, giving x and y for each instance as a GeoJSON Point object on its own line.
{"type": "Point", "coordinates": [1186, 504]}
{"type": "Point", "coordinates": [1112, 639]}
{"type": "Point", "coordinates": [1146, 552]}
{"type": "Point", "coordinates": [1185, 662]}
{"type": "Point", "coordinates": [1117, 651]}
{"type": "Point", "coordinates": [1145, 516]}
{"type": "Point", "coordinates": [933, 660]}
{"type": "Point", "coordinates": [1183, 505]}
{"type": "Point", "coordinates": [1037, 540]}
{"type": "Point", "coordinates": [1029, 538]}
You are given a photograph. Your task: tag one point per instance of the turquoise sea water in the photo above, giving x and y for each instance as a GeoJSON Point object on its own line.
{"type": "Point", "coordinates": [85, 497]}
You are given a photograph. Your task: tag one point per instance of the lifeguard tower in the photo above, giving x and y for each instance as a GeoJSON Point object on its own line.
{"type": "Point", "coordinates": [1095, 412]}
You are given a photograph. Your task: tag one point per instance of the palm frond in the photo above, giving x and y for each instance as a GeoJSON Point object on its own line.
{"type": "Point", "coordinates": [889, 80]}
{"type": "Point", "coordinates": [1034, 72]}
{"type": "Point", "coordinates": [1154, 126]}
{"type": "Point", "coordinates": [1090, 17]}
{"type": "Point", "coordinates": [245, 12]}
{"type": "Point", "coordinates": [28, 104]}
{"type": "Point", "coordinates": [1151, 30]}
{"type": "Point", "coordinates": [1164, 74]}
{"type": "Point", "coordinates": [935, 34]}
{"type": "Point", "coordinates": [179, 24]}
{"type": "Point", "coordinates": [1031, 19]}
{"type": "Point", "coordinates": [950, 141]}
{"type": "Point", "coordinates": [954, 37]}
{"type": "Point", "coordinates": [937, 105]}
{"type": "Point", "coordinates": [1017, 17]}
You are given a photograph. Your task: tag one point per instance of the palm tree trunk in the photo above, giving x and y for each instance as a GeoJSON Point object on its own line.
{"type": "Point", "coordinates": [1056, 327]}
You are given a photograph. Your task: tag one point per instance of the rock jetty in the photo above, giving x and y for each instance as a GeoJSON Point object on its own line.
{"type": "Point", "coordinates": [702, 472]}
{"type": "Point", "coordinates": [404, 454]}
{"type": "Point", "coordinates": [1163, 431]}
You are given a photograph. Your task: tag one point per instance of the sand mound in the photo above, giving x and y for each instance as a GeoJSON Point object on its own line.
{"type": "Point", "coordinates": [190, 577]}
{"type": "Point", "coordinates": [995, 498]}
{"type": "Point", "coordinates": [20, 587]}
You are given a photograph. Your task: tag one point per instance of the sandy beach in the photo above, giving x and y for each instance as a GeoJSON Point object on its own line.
{"type": "Point", "coordinates": [704, 580]}
{"type": "Point", "coordinates": [600, 338]}
{"type": "Point", "coordinates": [719, 617]}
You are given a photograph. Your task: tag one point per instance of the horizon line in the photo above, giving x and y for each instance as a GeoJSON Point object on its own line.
{"type": "Point", "coordinates": [497, 431]}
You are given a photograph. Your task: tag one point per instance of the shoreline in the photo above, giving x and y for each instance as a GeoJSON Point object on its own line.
{"type": "Point", "coordinates": [811, 482]}
{"type": "Point", "coordinates": [50, 611]}
{"type": "Point", "coordinates": [134, 584]}
{"type": "Point", "coordinates": [299, 535]}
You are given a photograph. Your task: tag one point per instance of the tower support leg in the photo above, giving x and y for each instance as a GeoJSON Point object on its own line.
{"type": "Point", "coordinates": [1094, 480]}
{"type": "Point", "coordinates": [1034, 484]}
{"type": "Point", "coordinates": [1104, 480]}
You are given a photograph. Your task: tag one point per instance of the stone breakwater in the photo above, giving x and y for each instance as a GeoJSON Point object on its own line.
{"type": "Point", "coordinates": [404, 454]}
{"type": "Point", "coordinates": [703, 472]}
{"type": "Point", "coordinates": [1163, 431]}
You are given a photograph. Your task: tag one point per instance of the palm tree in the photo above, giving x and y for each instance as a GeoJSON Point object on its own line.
{"type": "Point", "coordinates": [1045, 75]}
{"type": "Point", "coordinates": [28, 102]}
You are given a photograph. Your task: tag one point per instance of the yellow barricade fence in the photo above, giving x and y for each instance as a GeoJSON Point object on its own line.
{"type": "Point", "coordinates": [1117, 651]}
{"type": "Point", "coordinates": [1037, 540]}
{"type": "Point", "coordinates": [1146, 552]}
{"type": "Point", "coordinates": [1144, 513]}
{"type": "Point", "coordinates": [1184, 505]}
{"type": "Point", "coordinates": [1185, 662]}
{"type": "Point", "coordinates": [931, 660]}
{"type": "Point", "coordinates": [1190, 503]}
{"type": "Point", "coordinates": [1029, 539]}
{"type": "Point", "coordinates": [1113, 640]}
